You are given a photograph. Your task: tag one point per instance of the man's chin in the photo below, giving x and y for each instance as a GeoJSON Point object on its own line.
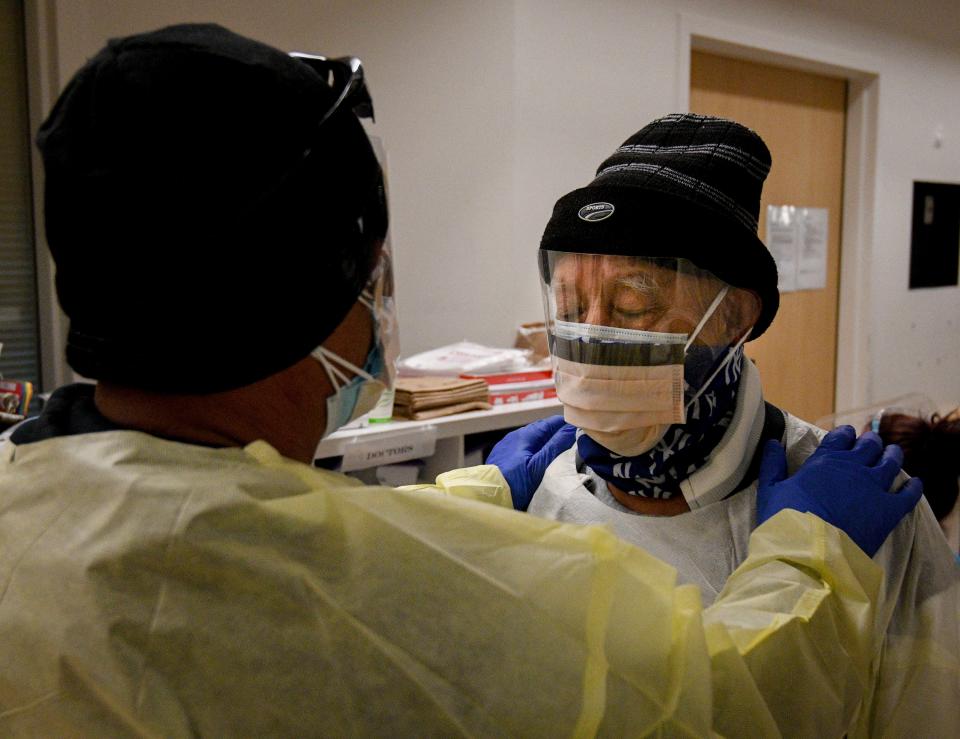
{"type": "Point", "coordinates": [630, 443]}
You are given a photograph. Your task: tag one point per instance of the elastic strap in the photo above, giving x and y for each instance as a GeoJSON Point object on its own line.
{"type": "Point", "coordinates": [723, 364]}
{"type": "Point", "coordinates": [706, 316]}
{"type": "Point", "coordinates": [328, 359]}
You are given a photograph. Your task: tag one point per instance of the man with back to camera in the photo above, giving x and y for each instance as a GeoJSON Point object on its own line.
{"type": "Point", "coordinates": [653, 278]}
{"type": "Point", "coordinates": [171, 564]}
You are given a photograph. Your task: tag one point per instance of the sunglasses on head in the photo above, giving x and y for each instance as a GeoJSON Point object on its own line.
{"type": "Point", "coordinates": [346, 75]}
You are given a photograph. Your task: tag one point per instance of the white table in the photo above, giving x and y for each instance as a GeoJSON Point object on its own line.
{"type": "Point", "coordinates": [446, 438]}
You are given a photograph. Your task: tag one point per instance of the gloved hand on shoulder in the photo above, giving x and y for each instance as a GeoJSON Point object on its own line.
{"type": "Point", "coordinates": [845, 482]}
{"type": "Point", "coordinates": [524, 455]}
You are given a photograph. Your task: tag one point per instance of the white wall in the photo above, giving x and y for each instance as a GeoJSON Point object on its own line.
{"type": "Point", "coordinates": [491, 110]}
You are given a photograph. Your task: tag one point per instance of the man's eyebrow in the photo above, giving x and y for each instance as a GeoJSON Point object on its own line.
{"type": "Point", "coordinates": [639, 280]}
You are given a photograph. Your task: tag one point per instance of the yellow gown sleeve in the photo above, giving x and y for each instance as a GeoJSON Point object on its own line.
{"type": "Point", "coordinates": [793, 633]}
{"type": "Point", "coordinates": [805, 593]}
{"type": "Point", "coordinates": [483, 482]}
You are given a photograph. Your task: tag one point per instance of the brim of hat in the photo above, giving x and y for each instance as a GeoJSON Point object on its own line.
{"type": "Point", "coordinates": [652, 223]}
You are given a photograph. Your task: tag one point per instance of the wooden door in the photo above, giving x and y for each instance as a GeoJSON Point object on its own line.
{"type": "Point", "coordinates": [801, 117]}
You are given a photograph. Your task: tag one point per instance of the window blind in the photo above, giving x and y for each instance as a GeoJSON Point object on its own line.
{"type": "Point", "coordinates": [19, 358]}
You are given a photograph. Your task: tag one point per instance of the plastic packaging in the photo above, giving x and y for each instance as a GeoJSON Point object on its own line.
{"type": "Point", "coordinates": [383, 411]}
{"type": "Point", "coordinates": [15, 396]}
{"type": "Point", "coordinates": [464, 357]}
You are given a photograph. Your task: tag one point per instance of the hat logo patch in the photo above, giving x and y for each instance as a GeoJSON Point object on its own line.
{"type": "Point", "coordinates": [595, 212]}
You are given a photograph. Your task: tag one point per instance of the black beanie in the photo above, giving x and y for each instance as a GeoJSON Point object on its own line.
{"type": "Point", "coordinates": [683, 186]}
{"type": "Point", "coordinates": [206, 232]}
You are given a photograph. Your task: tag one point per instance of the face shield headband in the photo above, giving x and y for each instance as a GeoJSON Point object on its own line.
{"type": "Point", "coordinates": [346, 78]}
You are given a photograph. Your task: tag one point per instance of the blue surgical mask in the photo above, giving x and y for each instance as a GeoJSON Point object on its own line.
{"type": "Point", "coordinates": [352, 397]}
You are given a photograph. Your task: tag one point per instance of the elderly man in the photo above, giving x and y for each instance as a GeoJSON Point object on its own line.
{"type": "Point", "coordinates": [653, 279]}
{"type": "Point", "coordinates": [171, 564]}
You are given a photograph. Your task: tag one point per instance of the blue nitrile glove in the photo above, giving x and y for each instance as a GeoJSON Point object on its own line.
{"type": "Point", "coordinates": [845, 482]}
{"type": "Point", "coordinates": [524, 455]}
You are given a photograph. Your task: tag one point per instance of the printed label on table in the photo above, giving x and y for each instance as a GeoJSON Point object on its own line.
{"type": "Point", "coordinates": [363, 452]}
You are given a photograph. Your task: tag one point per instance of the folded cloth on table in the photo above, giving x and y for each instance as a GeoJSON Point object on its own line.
{"type": "Point", "coordinates": [431, 397]}
{"type": "Point", "coordinates": [447, 410]}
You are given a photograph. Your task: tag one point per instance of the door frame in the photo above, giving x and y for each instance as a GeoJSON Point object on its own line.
{"type": "Point", "coordinates": [717, 36]}
{"type": "Point", "coordinates": [43, 86]}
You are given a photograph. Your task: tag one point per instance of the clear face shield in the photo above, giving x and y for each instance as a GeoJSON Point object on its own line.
{"type": "Point", "coordinates": [634, 340]}
{"type": "Point", "coordinates": [357, 390]}
{"type": "Point", "coordinates": [380, 298]}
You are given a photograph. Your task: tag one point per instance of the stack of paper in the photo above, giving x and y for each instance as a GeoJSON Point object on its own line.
{"type": "Point", "coordinates": [431, 397]}
{"type": "Point", "coordinates": [534, 383]}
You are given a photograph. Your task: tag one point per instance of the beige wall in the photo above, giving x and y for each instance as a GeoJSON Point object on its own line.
{"type": "Point", "coordinates": [491, 110]}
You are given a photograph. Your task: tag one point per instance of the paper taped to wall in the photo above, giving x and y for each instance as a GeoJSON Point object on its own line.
{"type": "Point", "coordinates": [797, 239]}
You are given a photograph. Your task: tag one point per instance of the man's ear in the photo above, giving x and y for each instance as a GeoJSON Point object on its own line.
{"type": "Point", "coordinates": [746, 306]}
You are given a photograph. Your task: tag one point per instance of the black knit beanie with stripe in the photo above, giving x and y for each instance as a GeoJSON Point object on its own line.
{"type": "Point", "coordinates": [683, 186]}
{"type": "Point", "coordinates": [207, 232]}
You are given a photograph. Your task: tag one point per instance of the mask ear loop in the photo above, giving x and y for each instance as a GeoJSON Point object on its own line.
{"type": "Point", "coordinates": [328, 359]}
{"type": "Point", "coordinates": [336, 377]}
{"type": "Point", "coordinates": [706, 316]}
{"type": "Point", "coordinates": [730, 355]}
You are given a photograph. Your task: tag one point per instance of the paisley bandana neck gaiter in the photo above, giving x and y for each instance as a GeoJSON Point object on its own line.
{"type": "Point", "coordinates": [682, 450]}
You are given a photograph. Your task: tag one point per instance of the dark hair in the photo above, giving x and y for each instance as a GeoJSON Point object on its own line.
{"type": "Point", "coordinates": [931, 451]}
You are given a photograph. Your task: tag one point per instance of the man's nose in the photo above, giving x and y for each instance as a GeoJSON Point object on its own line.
{"type": "Point", "coordinates": [674, 325]}
{"type": "Point", "coordinates": [596, 313]}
